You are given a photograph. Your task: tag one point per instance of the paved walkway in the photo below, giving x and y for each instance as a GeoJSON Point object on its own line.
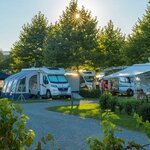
{"type": "Point", "coordinates": [70, 132]}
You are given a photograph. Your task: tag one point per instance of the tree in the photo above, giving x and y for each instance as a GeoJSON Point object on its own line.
{"type": "Point", "coordinates": [73, 39]}
{"type": "Point", "coordinates": [28, 51]}
{"type": "Point", "coordinates": [138, 45]}
{"type": "Point", "coordinates": [111, 43]}
{"type": "Point", "coordinates": [4, 62]}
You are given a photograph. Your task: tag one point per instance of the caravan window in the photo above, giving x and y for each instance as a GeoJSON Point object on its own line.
{"type": "Point", "coordinates": [124, 80]}
{"type": "Point", "coordinates": [89, 78]}
{"type": "Point", "coordinates": [13, 88]}
{"type": "Point", "coordinates": [5, 86]}
{"type": "Point", "coordinates": [22, 85]}
{"type": "Point", "coordinates": [8, 89]}
{"type": "Point", "coordinates": [57, 79]}
{"type": "Point", "coordinates": [45, 80]}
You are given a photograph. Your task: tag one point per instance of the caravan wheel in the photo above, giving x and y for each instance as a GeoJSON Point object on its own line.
{"type": "Point", "coordinates": [48, 94]}
{"type": "Point", "coordinates": [130, 92]}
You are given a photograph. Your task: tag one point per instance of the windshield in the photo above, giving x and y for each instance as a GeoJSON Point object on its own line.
{"type": "Point", "coordinates": [57, 79]}
{"type": "Point", "coordinates": [89, 78]}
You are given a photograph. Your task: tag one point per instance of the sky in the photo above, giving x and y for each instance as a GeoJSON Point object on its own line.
{"type": "Point", "coordinates": [15, 13]}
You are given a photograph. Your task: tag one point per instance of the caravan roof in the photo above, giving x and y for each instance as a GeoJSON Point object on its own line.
{"type": "Point", "coordinates": [87, 73]}
{"type": "Point", "coordinates": [130, 71]}
{"type": "Point", "coordinates": [47, 70]}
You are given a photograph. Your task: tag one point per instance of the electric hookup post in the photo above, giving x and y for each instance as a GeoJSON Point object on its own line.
{"type": "Point", "coordinates": [71, 99]}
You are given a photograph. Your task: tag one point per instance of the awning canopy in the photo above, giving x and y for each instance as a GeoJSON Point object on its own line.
{"type": "Point", "coordinates": [19, 75]}
{"type": "Point", "coordinates": [130, 71]}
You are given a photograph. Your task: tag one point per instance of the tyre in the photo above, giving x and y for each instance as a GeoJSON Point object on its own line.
{"type": "Point", "coordinates": [130, 92]}
{"type": "Point", "coordinates": [48, 94]}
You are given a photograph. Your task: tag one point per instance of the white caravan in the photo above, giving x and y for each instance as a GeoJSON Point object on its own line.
{"type": "Point", "coordinates": [87, 79]}
{"type": "Point", "coordinates": [43, 81]}
{"type": "Point", "coordinates": [131, 79]}
{"type": "Point", "coordinates": [52, 82]}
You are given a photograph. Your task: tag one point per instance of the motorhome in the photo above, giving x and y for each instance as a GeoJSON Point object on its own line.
{"type": "Point", "coordinates": [130, 80]}
{"type": "Point", "coordinates": [43, 81]}
{"type": "Point", "coordinates": [87, 79]}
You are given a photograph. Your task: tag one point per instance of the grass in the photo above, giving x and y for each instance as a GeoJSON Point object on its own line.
{"type": "Point", "coordinates": [93, 111]}
{"type": "Point", "coordinates": [82, 110]}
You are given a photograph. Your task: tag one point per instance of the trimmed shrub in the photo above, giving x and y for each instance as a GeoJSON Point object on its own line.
{"type": "Point", "coordinates": [120, 105]}
{"type": "Point", "coordinates": [128, 108]}
{"type": "Point", "coordinates": [107, 101]}
{"type": "Point", "coordinates": [144, 111]}
{"type": "Point", "coordinates": [128, 105]}
{"type": "Point", "coordinates": [94, 93]}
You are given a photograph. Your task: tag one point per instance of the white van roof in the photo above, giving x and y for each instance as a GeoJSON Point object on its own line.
{"type": "Point", "coordinates": [48, 70]}
{"type": "Point", "coordinates": [87, 73]}
{"type": "Point", "coordinates": [130, 71]}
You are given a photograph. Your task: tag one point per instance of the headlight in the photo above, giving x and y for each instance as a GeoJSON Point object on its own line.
{"type": "Point", "coordinates": [55, 86]}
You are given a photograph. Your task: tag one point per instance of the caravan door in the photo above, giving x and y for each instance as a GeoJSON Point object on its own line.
{"type": "Point", "coordinates": [45, 85]}
{"type": "Point", "coordinates": [33, 85]}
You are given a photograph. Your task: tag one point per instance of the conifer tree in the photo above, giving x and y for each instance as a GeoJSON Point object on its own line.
{"type": "Point", "coordinates": [28, 51]}
{"type": "Point", "coordinates": [138, 43]}
{"type": "Point", "coordinates": [111, 43]}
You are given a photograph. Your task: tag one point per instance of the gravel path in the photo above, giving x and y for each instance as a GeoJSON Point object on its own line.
{"type": "Point", "coordinates": [70, 132]}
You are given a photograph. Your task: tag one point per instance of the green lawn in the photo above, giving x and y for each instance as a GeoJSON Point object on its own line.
{"type": "Point", "coordinates": [93, 111]}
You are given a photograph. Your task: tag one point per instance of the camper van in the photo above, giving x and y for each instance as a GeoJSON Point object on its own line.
{"type": "Point", "coordinates": [142, 85]}
{"type": "Point", "coordinates": [43, 81]}
{"type": "Point", "coordinates": [131, 80]}
{"type": "Point", "coordinates": [87, 79]}
{"type": "Point", "coordinates": [122, 85]}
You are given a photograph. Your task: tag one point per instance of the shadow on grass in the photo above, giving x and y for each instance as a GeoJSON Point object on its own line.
{"type": "Point", "coordinates": [82, 110]}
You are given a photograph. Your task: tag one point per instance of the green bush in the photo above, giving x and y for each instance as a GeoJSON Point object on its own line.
{"type": "Point", "coordinates": [144, 111]}
{"type": "Point", "coordinates": [128, 105]}
{"type": "Point", "coordinates": [120, 105]}
{"type": "Point", "coordinates": [109, 142]}
{"type": "Point", "coordinates": [107, 101]}
{"type": "Point", "coordinates": [13, 134]}
{"type": "Point", "coordinates": [94, 93]}
{"type": "Point", "coordinates": [128, 108]}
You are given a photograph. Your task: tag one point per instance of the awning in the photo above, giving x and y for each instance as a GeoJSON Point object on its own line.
{"type": "Point", "coordinates": [130, 71]}
{"type": "Point", "coordinates": [19, 75]}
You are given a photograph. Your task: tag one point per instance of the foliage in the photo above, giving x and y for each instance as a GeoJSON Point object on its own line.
{"type": "Point", "coordinates": [94, 93]}
{"type": "Point", "coordinates": [144, 111]}
{"type": "Point", "coordinates": [107, 101]}
{"type": "Point", "coordinates": [128, 108]}
{"type": "Point", "coordinates": [4, 62]}
{"type": "Point", "coordinates": [138, 45]}
{"type": "Point", "coordinates": [13, 134]}
{"type": "Point", "coordinates": [45, 140]}
{"type": "Point", "coordinates": [109, 140]}
{"type": "Point", "coordinates": [111, 44]}
{"type": "Point", "coordinates": [146, 124]}
{"type": "Point", "coordinates": [128, 105]}
{"type": "Point", "coordinates": [72, 40]}
{"type": "Point", "coordinates": [29, 50]}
